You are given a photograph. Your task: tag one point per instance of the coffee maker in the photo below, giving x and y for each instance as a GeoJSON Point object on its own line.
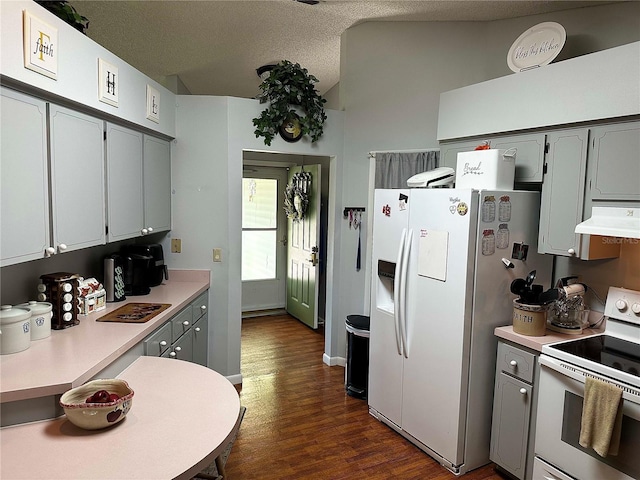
{"type": "Point", "coordinates": [158, 270]}
{"type": "Point", "coordinates": [136, 273]}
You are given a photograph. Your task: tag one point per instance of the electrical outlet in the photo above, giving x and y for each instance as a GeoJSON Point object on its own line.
{"type": "Point", "coordinates": [176, 245]}
{"type": "Point", "coordinates": [217, 254]}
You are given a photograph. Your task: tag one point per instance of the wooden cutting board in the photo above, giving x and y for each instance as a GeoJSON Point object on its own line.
{"type": "Point", "coordinates": [134, 313]}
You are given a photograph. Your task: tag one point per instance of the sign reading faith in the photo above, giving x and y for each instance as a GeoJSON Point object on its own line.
{"type": "Point", "coordinates": [40, 46]}
{"type": "Point", "coordinates": [536, 47]}
{"type": "Point", "coordinates": [108, 83]}
{"type": "Point", "coordinates": [153, 104]}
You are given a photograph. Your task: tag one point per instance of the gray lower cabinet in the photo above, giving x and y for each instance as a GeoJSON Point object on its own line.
{"type": "Point", "coordinates": [514, 409]}
{"type": "Point", "coordinates": [185, 335]}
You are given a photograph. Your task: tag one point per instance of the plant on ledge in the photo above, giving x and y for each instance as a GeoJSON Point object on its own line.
{"type": "Point", "coordinates": [65, 11]}
{"type": "Point", "coordinates": [289, 85]}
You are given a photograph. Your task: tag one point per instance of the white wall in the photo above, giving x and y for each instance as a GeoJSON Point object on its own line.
{"type": "Point", "coordinates": [392, 74]}
{"type": "Point", "coordinates": [207, 157]}
{"type": "Point", "coordinates": [78, 70]}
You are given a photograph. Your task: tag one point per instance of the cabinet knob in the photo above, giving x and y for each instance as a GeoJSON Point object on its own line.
{"type": "Point", "coordinates": [185, 323]}
{"type": "Point", "coordinates": [513, 363]}
{"type": "Point", "coordinates": [203, 307]}
{"type": "Point", "coordinates": [163, 343]}
{"type": "Point", "coordinates": [150, 229]}
{"type": "Point", "coordinates": [197, 329]}
{"type": "Point", "coordinates": [523, 391]}
{"type": "Point", "coordinates": [571, 251]}
{"type": "Point", "coordinates": [62, 247]}
{"type": "Point", "coordinates": [144, 231]}
{"type": "Point", "coordinates": [178, 349]}
{"type": "Point", "coordinates": [173, 354]}
{"type": "Point", "coordinates": [49, 251]}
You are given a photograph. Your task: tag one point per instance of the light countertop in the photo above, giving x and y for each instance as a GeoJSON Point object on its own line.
{"type": "Point", "coordinates": [72, 356]}
{"type": "Point", "coordinates": [536, 343]}
{"type": "Point", "coordinates": [182, 417]}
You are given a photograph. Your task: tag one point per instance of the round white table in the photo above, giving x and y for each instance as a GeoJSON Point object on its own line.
{"type": "Point", "coordinates": [182, 417]}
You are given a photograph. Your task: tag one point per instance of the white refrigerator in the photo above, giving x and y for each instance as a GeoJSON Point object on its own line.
{"type": "Point", "coordinates": [443, 263]}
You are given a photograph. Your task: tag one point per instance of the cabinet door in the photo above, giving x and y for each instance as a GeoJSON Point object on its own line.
{"type": "Point", "coordinates": [529, 155]}
{"type": "Point", "coordinates": [24, 190]}
{"type": "Point", "coordinates": [183, 348]}
{"type": "Point", "coordinates": [614, 166]}
{"type": "Point", "coordinates": [449, 152]}
{"type": "Point", "coordinates": [510, 425]}
{"type": "Point", "coordinates": [124, 183]}
{"type": "Point", "coordinates": [563, 192]}
{"type": "Point", "coordinates": [157, 184]}
{"type": "Point", "coordinates": [201, 341]}
{"type": "Point", "coordinates": [77, 179]}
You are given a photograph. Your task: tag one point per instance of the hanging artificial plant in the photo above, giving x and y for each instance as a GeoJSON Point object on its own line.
{"type": "Point", "coordinates": [288, 85]}
{"type": "Point", "coordinates": [66, 11]}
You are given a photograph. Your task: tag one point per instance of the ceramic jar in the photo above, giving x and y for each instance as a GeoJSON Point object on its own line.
{"type": "Point", "coordinates": [15, 329]}
{"type": "Point", "coordinates": [40, 318]}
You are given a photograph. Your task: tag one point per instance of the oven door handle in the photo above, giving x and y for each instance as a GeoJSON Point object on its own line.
{"type": "Point", "coordinates": [579, 374]}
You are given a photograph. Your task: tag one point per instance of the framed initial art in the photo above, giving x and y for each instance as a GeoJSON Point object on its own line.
{"type": "Point", "coordinates": [108, 83]}
{"type": "Point", "coordinates": [40, 44]}
{"type": "Point", "coordinates": [153, 104]}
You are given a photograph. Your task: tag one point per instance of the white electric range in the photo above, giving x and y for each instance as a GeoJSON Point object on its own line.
{"type": "Point", "coordinates": [614, 357]}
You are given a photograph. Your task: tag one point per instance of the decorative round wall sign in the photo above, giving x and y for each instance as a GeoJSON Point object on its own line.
{"type": "Point", "coordinates": [536, 47]}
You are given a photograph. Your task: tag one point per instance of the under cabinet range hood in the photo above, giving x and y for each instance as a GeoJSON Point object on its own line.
{"type": "Point", "coordinates": [612, 222]}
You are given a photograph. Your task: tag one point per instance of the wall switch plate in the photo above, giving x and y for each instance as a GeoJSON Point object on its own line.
{"type": "Point", "coordinates": [217, 254]}
{"type": "Point", "coordinates": [176, 245]}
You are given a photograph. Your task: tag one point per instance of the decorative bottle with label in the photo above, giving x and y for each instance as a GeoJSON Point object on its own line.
{"type": "Point", "coordinates": [502, 236]}
{"type": "Point", "coordinates": [488, 242]}
{"type": "Point", "coordinates": [504, 209]}
{"type": "Point", "coordinates": [489, 209]}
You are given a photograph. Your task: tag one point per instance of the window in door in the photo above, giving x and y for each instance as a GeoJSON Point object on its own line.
{"type": "Point", "coordinates": [259, 228]}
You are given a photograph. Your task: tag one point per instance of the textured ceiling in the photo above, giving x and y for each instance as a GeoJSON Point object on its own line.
{"type": "Point", "coordinates": [215, 46]}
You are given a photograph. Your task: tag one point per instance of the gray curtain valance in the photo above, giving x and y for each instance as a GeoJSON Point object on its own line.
{"type": "Point", "coordinates": [393, 169]}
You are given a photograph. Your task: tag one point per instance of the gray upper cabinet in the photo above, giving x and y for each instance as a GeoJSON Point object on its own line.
{"type": "Point", "coordinates": [614, 162]}
{"type": "Point", "coordinates": [125, 212]}
{"type": "Point", "coordinates": [563, 192]}
{"type": "Point", "coordinates": [24, 214]}
{"type": "Point", "coordinates": [77, 179]}
{"type": "Point", "coordinates": [530, 151]}
{"type": "Point", "coordinates": [157, 184]}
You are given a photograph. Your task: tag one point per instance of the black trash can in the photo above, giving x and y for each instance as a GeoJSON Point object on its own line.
{"type": "Point", "coordinates": [357, 355]}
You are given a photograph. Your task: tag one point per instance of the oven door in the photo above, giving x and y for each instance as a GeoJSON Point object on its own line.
{"type": "Point", "coordinates": [559, 416]}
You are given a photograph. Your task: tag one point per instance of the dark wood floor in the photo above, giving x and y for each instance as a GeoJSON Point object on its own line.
{"type": "Point", "coordinates": [300, 424]}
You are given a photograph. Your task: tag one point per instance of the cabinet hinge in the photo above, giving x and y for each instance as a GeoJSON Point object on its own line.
{"type": "Point", "coordinates": [106, 229]}
{"type": "Point", "coordinates": [105, 135]}
{"type": "Point", "coordinates": [544, 168]}
{"type": "Point", "coordinates": [546, 148]}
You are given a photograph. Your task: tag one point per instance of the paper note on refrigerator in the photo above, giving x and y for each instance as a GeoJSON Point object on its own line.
{"type": "Point", "coordinates": [432, 254]}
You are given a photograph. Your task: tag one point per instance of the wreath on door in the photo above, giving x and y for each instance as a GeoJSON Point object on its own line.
{"type": "Point", "coordinates": [296, 196]}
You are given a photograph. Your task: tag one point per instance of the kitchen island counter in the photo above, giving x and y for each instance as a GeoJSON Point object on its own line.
{"type": "Point", "coordinates": [182, 417]}
{"type": "Point", "coordinates": [72, 356]}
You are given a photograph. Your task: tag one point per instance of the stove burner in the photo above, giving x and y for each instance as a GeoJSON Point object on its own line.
{"type": "Point", "coordinates": [611, 351]}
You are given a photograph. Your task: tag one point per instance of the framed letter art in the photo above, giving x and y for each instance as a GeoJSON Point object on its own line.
{"type": "Point", "coordinates": [108, 83]}
{"type": "Point", "coordinates": [40, 46]}
{"type": "Point", "coordinates": [153, 104]}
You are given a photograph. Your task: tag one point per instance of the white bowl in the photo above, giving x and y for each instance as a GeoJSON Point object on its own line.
{"type": "Point", "coordinates": [94, 416]}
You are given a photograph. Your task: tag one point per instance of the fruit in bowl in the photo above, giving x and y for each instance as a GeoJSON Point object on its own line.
{"type": "Point", "coordinates": [97, 404]}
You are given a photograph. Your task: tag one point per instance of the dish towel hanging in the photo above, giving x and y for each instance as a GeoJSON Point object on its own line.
{"type": "Point", "coordinates": [601, 417]}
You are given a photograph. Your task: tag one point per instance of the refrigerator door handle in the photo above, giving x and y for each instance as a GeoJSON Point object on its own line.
{"type": "Point", "coordinates": [404, 326]}
{"type": "Point", "coordinates": [397, 282]}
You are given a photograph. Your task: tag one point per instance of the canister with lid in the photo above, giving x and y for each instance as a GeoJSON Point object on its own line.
{"type": "Point", "coordinates": [15, 326]}
{"type": "Point", "coordinates": [40, 318]}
